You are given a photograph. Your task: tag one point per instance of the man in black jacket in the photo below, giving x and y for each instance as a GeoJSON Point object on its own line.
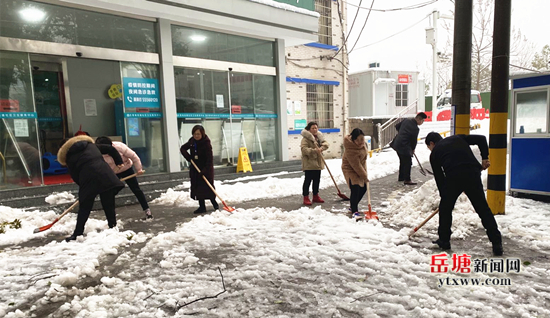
{"type": "Point", "coordinates": [405, 143]}
{"type": "Point", "coordinates": [457, 170]}
{"type": "Point", "coordinates": [93, 176]}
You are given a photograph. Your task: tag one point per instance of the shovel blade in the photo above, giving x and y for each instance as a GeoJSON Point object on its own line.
{"type": "Point", "coordinates": [343, 196]}
{"type": "Point", "coordinates": [227, 208]}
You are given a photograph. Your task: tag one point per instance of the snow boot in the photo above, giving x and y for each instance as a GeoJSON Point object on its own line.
{"type": "Point", "coordinates": [200, 210]}
{"type": "Point", "coordinates": [216, 206]}
{"type": "Point", "coordinates": [306, 200]}
{"type": "Point", "coordinates": [497, 249]}
{"type": "Point", "coordinates": [443, 245]}
{"type": "Point", "coordinates": [410, 183]}
{"type": "Point", "coordinates": [71, 238]}
{"type": "Point", "coordinates": [317, 199]}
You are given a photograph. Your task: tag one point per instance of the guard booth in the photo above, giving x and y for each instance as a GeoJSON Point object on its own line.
{"type": "Point", "coordinates": [530, 137]}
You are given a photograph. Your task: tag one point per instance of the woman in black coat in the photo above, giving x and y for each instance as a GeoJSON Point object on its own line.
{"type": "Point", "coordinates": [201, 154]}
{"type": "Point", "coordinates": [93, 176]}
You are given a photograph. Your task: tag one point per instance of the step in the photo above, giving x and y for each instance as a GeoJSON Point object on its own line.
{"type": "Point", "coordinates": [151, 185]}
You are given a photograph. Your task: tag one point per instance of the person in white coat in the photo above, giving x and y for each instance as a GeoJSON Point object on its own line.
{"type": "Point", "coordinates": [129, 158]}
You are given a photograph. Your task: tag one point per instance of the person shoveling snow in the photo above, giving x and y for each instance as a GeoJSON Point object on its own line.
{"type": "Point", "coordinates": [457, 170]}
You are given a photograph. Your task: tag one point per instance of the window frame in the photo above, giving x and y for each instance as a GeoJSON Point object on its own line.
{"type": "Point", "coordinates": [320, 96]}
{"type": "Point", "coordinates": [324, 32]}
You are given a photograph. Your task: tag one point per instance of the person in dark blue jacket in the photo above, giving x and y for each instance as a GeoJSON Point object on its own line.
{"type": "Point", "coordinates": [457, 170]}
{"type": "Point", "coordinates": [405, 143]}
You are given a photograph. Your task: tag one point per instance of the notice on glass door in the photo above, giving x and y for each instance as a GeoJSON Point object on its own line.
{"type": "Point", "coordinates": [21, 127]}
{"type": "Point", "coordinates": [90, 107]}
{"type": "Point", "coordinates": [219, 101]}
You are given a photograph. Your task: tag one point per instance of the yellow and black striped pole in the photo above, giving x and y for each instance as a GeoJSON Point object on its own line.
{"type": "Point", "coordinates": [462, 67]}
{"type": "Point", "coordinates": [496, 181]}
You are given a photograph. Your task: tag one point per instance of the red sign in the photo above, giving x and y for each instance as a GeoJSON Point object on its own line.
{"type": "Point", "coordinates": [403, 79]}
{"type": "Point", "coordinates": [9, 105]}
{"type": "Point", "coordinates": [142, 110]}
{"type": "Point", "coordinates": [235, 109]}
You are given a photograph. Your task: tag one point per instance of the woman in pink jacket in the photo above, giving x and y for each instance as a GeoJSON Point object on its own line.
{"type": "Point", "coordinates": [129, 158]}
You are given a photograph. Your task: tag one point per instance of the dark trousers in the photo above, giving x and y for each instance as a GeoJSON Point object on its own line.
{"type": "Point", "coordinates": [405, 164]}
{"type": "Point", "coordinates": [134, 186]}
{"type": "Point", "coordinates": [202, 203]}
{"type": "Point", "coordinates": [357, 193]}
{"type": "Point", "coordinates": [85, 207]}
{"type": "Point", "coordinates": [468, 182]}
{"type": "Point", "coordinates": [311, 175]}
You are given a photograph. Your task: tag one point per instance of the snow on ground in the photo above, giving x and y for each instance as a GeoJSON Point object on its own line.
{"type": "Point", "coordinates": [303, 263]}
{"type": "Point", "coordinates": [30, 220]}
{"type": "Point", "coordinates": [380, 165]}
{"type": "Point", "coordinates": [60, 198]}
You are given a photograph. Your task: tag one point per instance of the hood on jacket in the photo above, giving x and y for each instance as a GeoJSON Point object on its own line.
{"type": "Point", "coordinates": [309, 136]}
{"type": "Point", "coordinates": [62, 153]}
{"type": "Point", "coordinates": [350, 144]}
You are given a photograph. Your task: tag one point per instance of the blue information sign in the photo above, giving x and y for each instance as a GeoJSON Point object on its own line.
{"type": "Point", "coordinates": [23, 115]}
{"type": "Point", "coordinates": [141, 92]}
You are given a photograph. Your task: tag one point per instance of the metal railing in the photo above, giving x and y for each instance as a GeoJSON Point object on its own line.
{"type": "Point", "coordinates": [387, 131]}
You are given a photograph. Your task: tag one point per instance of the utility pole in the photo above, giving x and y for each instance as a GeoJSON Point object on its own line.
{"type": "Point", "coordinates": [431, 38]}
{"type": "Point", "coordinates": [496, 181]}
{"type": "Point", "coordinates": [462, 67]}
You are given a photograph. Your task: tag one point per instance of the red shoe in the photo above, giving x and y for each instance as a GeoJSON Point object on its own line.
{"type": "Point", "coordinates": [306, 200]}
{"type": "Point", "coordinates": [317, 199]}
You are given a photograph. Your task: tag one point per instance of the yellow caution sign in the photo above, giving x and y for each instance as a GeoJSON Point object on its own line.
{"type": "Point", "coordinates": [244, 162]}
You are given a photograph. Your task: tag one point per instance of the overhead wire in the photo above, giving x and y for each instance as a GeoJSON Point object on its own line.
{"type": "Point", "coordinates": [391, 36]}
{"type": "Point", "coordinates": [350, 29]}
{"type": "Point", "coordinates": [411, 7]}
{"type": "Point", "coordinates": [363, 28]}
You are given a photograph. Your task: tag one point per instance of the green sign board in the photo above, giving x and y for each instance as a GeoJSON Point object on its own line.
{"type": "Point", "coordinates": [306, 4]}
{"type": "Point", "coordinates": [300, 123]}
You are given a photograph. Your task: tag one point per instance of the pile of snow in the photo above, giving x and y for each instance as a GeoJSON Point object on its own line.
{"type": "Point", "coordinates": [380, 165]}
{"type": "Point", "coordinates": [48, 273]}
{"type": "Point", "coordinates": [526, 221]}
{"type": "Point", "coordinates": [30, 220]}
{"type": "Point", "coordinates": [60, 198]}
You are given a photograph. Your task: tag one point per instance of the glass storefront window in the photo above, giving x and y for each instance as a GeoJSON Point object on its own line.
{"type": "Point", "coordinates": [45, 22]}
{"type": "Point", "coordinates": [220, 46]}
{"type": "Point", "coordinates": [202, 97]}
{"type": "Point", "coordinates": [143, 115]}
{"type": "Point", "coordinates": [531, 115]}
{"type": "Point", "coordinates": [18, 133]}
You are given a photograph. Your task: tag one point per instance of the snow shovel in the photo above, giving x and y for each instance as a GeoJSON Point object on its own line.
{"type": "Point", "coordinates": [47, 227]}
{"type": "Point", "coordinates": [340, 194]}
{"type": "Point", "coordinates": [423, 222]}
{"type": "Point", "coordinates": [422, 170]}
{"type": "Point", "coordinates": [225, 206]}
{"type": "Point", "coordinates": [370, 215]}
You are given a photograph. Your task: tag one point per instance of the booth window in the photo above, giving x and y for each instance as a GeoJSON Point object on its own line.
{"type": "Point", "coordinates": [531, 112]}
{"type": "Point", "coordinates": [323, 7]}
{"type": "Point", "coordinates": [402, 95]}
{"type": "Point", "coordinates": [319, 105]}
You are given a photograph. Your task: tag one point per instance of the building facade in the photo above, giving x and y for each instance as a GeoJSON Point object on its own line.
{"type": "Point", "coordinates": [316, 79]}
{"type": "Point", "coordinates": [145, 72]}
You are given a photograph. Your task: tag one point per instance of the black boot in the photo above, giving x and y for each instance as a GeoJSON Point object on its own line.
{"type": "Point", "coordinates": [71, 238]}
{"type": "Point", "coordinates": [443, 245]}
{"type": "Point", "coordinates": [215, 205]}
{"type": "Point", "coordinates": [201, 209]}
{"type": "Point", "coordinates": [497, 249]}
